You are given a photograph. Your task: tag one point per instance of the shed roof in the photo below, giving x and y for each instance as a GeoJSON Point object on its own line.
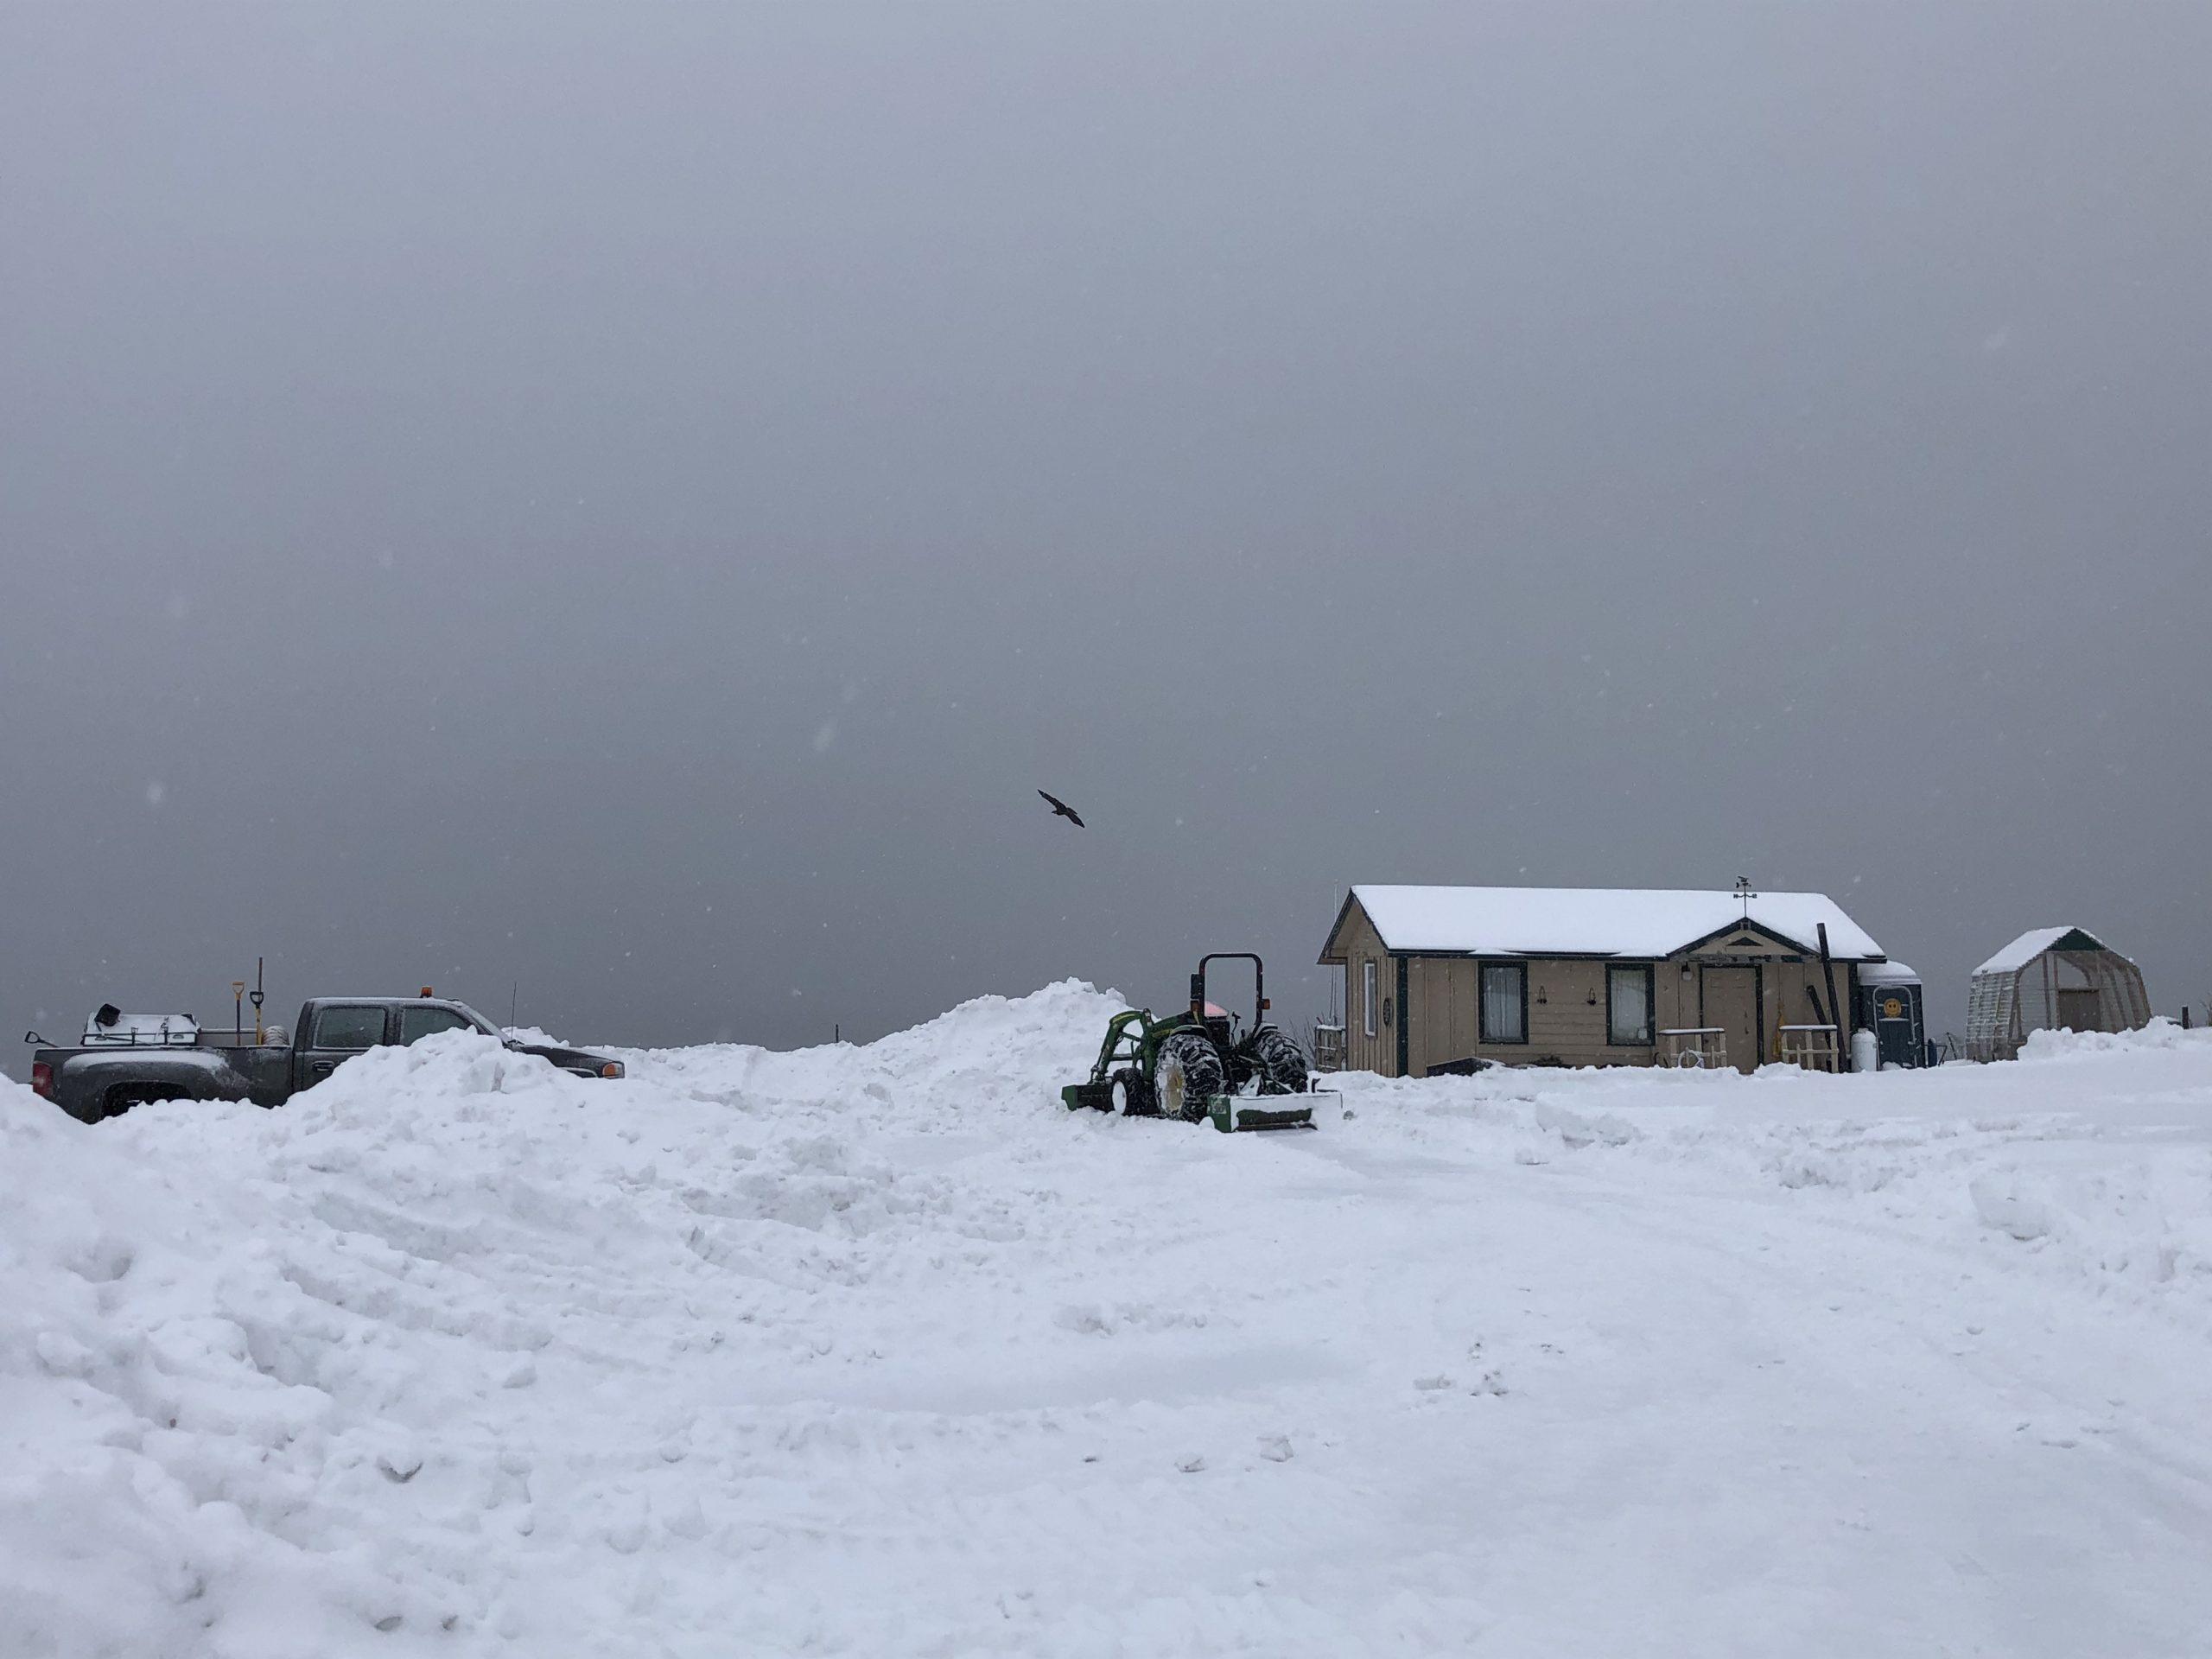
{"type": "Point", "coordinates": [1887, 973]}
{"type": "Point", "coordinates": [2036, 940]}
{"type": "Point", "coordinates": [1598, 921]}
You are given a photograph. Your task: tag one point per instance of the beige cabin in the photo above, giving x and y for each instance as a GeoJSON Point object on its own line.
{"type": "Point", "coordinates": [1436, 978]}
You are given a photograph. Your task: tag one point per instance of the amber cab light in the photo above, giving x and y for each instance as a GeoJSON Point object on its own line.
{"type": "Point", "coordinates": [612, 1069]}
{"type": "Point", "coordinates": [42, 1078]}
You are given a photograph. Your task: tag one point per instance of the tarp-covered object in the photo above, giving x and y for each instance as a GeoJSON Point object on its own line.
{"type": "Point", "coordinates": [2051, 979]}
{"type": "Point", "coordinates": [1893, 1005]}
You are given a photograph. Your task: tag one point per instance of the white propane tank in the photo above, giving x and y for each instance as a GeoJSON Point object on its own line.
{"type": "Point", "coordinates": [1865, 1053]}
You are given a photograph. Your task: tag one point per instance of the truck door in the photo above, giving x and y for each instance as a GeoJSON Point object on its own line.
{"type": "Point", "coordinates": [427, 1020]}
{"type": "Point", "coordinates": [341, 1031]}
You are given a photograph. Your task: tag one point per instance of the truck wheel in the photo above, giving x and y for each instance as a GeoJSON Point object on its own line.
{"type": "Point", "coordinates": [117, 1101]}
{"type": "Point", "coordinates": [1278, 1062]}
{"type": "Point", "coordinates": [1186, 1075]}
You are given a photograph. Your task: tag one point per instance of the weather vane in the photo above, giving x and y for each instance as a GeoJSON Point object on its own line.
{"type": "Point", "coordinates": [1744, 895]}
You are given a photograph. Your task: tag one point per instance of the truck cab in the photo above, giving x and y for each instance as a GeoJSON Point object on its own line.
{"type": "Point", "coordinates": [332, 1030]}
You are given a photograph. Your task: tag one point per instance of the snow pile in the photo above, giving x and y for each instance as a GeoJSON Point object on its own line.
{"type": "Point", "coordinates": [876, 1350]}
{"type": "Point", "coordinates": [2161, 1033]}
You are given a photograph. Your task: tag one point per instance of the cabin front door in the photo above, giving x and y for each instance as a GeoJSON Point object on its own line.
{"type": "Point", "coordinates": [1731, 1002]}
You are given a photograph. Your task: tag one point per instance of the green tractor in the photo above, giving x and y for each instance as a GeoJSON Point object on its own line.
{"type": "Point", "coordinates": [1197, 1063]}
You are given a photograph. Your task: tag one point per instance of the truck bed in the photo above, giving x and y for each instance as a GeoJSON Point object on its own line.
{"type": "Point", "coordinates": [84, 1078]}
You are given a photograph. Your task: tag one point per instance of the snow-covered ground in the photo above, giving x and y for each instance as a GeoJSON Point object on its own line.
{"type": "Point", "coordinates": [876, 1351]}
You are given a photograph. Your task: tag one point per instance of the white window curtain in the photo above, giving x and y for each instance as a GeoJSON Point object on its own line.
{"type": "Point", "coordinates": [1367, 1005]}
{"type": "Point", "coordinates": [1505, 988]}
{"type": "Point", "coordinates": [1630, 1001]}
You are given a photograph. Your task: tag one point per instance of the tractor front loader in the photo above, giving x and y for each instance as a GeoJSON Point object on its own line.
{"type": "Point", "coordinates": [1197, 1063]}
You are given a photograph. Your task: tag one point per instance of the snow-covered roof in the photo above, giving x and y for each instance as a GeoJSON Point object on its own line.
{"type": "Point", "coordinates": [1887, 973]}
{"type": "Point", "coordinates": [1598, 921]}
{"type": "Point", "coordinates": [2031, 944]}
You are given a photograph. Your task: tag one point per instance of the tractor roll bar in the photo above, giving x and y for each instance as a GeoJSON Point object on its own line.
{"type": "Point", "coordinates": [1259, 982]}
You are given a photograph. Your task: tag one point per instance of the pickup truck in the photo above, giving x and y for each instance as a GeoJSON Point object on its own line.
{"type": "Point", "coordinates": [128, 1059]}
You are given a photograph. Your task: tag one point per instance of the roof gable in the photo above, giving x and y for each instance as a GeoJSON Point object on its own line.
{"type": "Point", "coordinates": [2036, 940]}
{"type": "Point", "coordinates": [1598, 921]}
{"type": "Point", "coordinates": [1749, 933]}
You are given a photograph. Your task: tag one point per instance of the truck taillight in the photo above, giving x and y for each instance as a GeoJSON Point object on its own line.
{"type": "Point", "coordinates": [42, 1078]}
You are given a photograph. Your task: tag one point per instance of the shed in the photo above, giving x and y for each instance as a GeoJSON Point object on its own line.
{"type": "Point", "coordinates": [2051, 979]}
{"type": "Point", "coordinates": [1436, 976]}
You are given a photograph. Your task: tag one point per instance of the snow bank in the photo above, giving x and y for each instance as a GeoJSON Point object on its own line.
{"type": "Point", "coordinates": [2161, 1034]}
{"type": "Point", "coordinates": [877, 1350]}
{"type": "Point", "coordinates": [232, 1338]}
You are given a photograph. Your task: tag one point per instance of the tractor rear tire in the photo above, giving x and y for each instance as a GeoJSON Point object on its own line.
{"type": "Point", "coordinates": [1186, 1075]}
{"type": "Point", "coordinates": [1278, 1062]}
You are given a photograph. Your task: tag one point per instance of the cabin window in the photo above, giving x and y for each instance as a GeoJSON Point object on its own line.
{"type": "Point", "coordinates": [1505, 1002]}
{"type": "Point", "coordinates": [1367, 1004]}
{"type": "Point", "coordinates": [1628, 1004]}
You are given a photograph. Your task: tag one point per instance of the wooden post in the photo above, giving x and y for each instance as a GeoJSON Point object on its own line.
{"type": "Point", "coordinates": [1835, 1008]}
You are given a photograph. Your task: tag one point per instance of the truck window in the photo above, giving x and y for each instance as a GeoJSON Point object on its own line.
{"type": "Point", "coordinates": [348, 1028]}
{"type": "Point", "coordinates": [415, 1024]}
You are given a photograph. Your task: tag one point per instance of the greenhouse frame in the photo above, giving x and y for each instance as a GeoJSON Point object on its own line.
{"type": "Point", "coordinates": [2050, 979]}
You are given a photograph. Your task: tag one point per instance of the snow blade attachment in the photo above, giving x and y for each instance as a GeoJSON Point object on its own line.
{"type": "Point", "coordinates": [1232, 1114]}
{"type": "Point", "coordinates": [1098, 1097]}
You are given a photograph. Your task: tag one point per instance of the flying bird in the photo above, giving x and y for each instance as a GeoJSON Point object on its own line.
{"type": "Point", "coordinates": [1061, 809]}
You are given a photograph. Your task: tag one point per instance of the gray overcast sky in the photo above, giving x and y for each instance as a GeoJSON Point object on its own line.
{"type": "Point", "coordinates": [632, 499]}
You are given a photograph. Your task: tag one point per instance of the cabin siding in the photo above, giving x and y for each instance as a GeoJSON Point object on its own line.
{"type": "Point", "coordinates": [1567, 1013]}
{"type": "Point", "coordinates": [1568, 1023]}
{"type": "Point", "coordinates": [1357, 943]}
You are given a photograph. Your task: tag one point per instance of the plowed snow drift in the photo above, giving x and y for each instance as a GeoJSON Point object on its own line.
{"type": "Point", "coordinates": [879, 1350]}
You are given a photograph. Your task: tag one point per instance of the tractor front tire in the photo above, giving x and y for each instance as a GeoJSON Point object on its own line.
{"type": "Point", "coordinates": [1186, 1075]}
{"type": "Point", "coordinates": [1278, 1062]}
{"type": "Point", "coordinates": [1132, 1094]}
